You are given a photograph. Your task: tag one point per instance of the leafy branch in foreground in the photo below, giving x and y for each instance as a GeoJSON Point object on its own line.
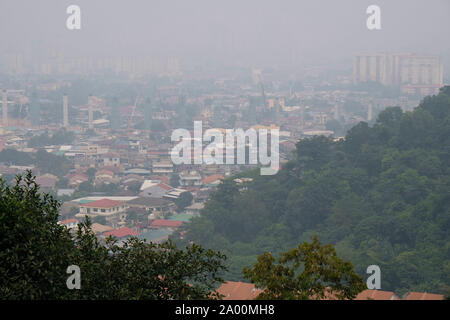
{"type": "Point", "coordinates": [310, 271]}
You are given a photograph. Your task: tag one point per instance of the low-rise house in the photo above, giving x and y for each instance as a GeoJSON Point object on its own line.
{"type": "Point", "coordinates": [46, 182]}
{"type": "Point", "coordinates": [69, 223]}
{"type": "Point", "coordinates": [154, 189]}
{"type": "Point", "coordinates": [174, 193]}
{"type": "Point", "coordinates": [121, 233]}
{"type": "Point", "coordinates": [163, 223]}
{"type": "Point", "coordinates": [115, 170]}
{"type": "Point", "coordinates": [14, 169]}
{"type": "Point", "coordinates": [155, 235]}
{"type": "Point", "coordinates": [76, 179]}
{"type": "Point", "coordinates": [163, 179]}
{"type": "Point", "coordinates": [190, 178]}
{"type": "Point", "coordinates": [137, 171]}
{"type": "Point", "coordinates": [164, 167]}
{"type": "Point", "coordinates": [110, 159]}
{"type": "Point", "coordinates": [113, 210]}
{"type": "Point", "coordinates": [212, 180]}
{"type": "Point", "coordinates": [194, 209]}
{"type": "Point", "coordinates": [130, 179]}
{"type": "Point", "coordinates": [64, 192]}
{"type": "Point", "coordinates": [98, 228]}
{"type": "Point", "coordinates": [203, 194]}
{"type": "Point", "coordinates": [157, 206]}
{"type": "Point", "coordinates": [104, 176]}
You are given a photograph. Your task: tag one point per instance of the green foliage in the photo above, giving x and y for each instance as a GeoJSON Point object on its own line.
{"type": "Point", "coordinates": [35, 252]}
{"type": "Point", "coordinates": [58, 138]}
{"type": "Point", "coordinates": [100, 219]}
{"type": "Point", "coordinates": [47, 162]}
{"type": "Point", "coordinates": [91, 174]}
{"type": "Point", "coordinates": [135, 187]}
{"type": "Point", "coordinates": [12, 156]}
{"type": "Point", "coordinates": [310, 271]}
{"type": "Point", "coordinates": [86, 187]}
{"type": "Point", "coordinates": [62, 183]}
{"type": "Point", "coordinates": [381, 196]}
{"type": "Point", "coordinates": [50, 163]}
{"type": "Point", "coordinates": [174, 180]}
{"type": "Point", "coordinates": [184, 200]}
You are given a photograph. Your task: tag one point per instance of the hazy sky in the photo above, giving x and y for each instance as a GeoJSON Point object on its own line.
{"type": "Point", "coordinates": [225, 30]}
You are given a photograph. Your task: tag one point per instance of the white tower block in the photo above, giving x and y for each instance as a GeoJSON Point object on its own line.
{"type": "Point", "coordinates": [65, 111]}
{"type": "Point", "coordinates": [90, 115]}
{"type": "Point", "coordinates": [5, 108]}
{"type": "Point", "coordinates": [336, 111]}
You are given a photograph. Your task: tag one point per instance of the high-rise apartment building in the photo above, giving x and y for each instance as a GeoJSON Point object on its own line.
{"type": "Point", "coordinates": [65, 111]}
{"type": "Point", "coordinates": [412, 72]}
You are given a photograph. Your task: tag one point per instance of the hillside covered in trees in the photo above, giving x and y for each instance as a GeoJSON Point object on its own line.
{"type": "Point", "coordinates": [381, 196]}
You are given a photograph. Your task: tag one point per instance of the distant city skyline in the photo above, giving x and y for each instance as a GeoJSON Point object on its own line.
{"type": "Point", "coordinates": [228, 32]}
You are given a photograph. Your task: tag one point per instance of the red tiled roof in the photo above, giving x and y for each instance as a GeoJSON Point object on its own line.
{"type": "Point", "coordinates": [103, 172]}
{"type": "Point", "coordinates": [376, 295]}
{"type": "Point", "coordinates": [103, 203]}
{"type": "Point", "coordinates": [424, 296]}
{"type": "Point", "coordinates": [165, 186]}
{"type": "Point", "coordinates": [111, 168]}
{"type": "Point", "coordinates": [238, 291]}
{"type": "Point", "coordinates": [77, 176]}
{"type": "Point", "coordinates": [122, 232]}
{"type": "Point", "coordinates": [191, 189]}
{"type": "Point", "coordinates": [161, 223]}
{"type": "Point", "coordinates": [212, 178]}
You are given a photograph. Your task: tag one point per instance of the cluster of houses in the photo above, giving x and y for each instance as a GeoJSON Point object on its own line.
{"type": "Point", "coordinates": [236, 290]}
{"type": "Point", "coordinates": [144, 183]}
{"type": "Point", "coordinates": [150, 216]}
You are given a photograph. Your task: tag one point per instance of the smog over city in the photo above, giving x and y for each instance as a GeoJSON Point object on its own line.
{"type": "Point", "coordinates": [225, 150]}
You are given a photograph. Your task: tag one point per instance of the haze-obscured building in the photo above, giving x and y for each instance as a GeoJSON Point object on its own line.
{"type": "Point", "coordinates": [412, 72]}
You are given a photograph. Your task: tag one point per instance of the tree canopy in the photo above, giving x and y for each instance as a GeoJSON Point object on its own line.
{"type": "Point", "coordinates": [310, 271]}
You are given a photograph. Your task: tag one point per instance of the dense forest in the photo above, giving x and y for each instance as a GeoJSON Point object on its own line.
{"type": "Point", "coordinates": [380, 196]}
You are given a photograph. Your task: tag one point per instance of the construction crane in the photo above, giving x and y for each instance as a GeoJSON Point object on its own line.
{"type": "Point", "coordinates": [130, 119]}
